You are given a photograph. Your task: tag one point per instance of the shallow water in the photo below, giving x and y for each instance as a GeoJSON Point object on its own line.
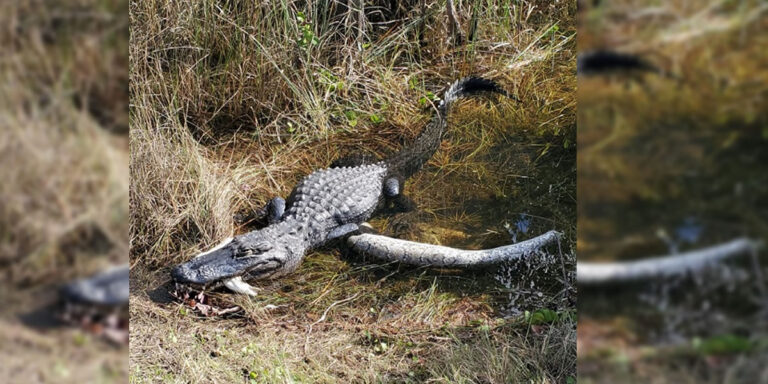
{"type": "Point", "coordinates": [667, 166]}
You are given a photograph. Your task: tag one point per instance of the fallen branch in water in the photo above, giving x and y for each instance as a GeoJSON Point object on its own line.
{"type": "Point", "coordinates": [429, 255]}
{"type": "Point", "coordinates": [621, 272]}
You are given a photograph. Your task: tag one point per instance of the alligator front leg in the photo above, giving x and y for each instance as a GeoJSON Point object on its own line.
{"type": "Point", "coordinates": [393, 191]}
{"type": "Point", "coordinates": [269, 214]}
{"type": "Point", "coordinates": [275, 209]}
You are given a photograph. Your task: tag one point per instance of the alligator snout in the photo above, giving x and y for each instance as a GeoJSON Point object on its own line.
{"type": "Point", "coordinates": [109, 288]}
{"type": "Point", "coordinates": [185, 275]}
{"type": "Point", "coordinates": [225, 262]}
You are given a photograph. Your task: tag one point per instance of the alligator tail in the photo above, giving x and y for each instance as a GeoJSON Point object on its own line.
{"type": "Point", "coordinates": [409, 160]}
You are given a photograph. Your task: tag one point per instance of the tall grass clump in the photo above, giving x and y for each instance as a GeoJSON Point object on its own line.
{"type": "Point", "coordinates": [62, 111]}
{"type": "Point", "coordinates": [64, 172]}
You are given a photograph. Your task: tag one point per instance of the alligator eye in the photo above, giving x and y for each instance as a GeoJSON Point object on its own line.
{"type": "Point", "coordinates": [252, 250]}
{"type": "Point", "coordinates": [244, 253]}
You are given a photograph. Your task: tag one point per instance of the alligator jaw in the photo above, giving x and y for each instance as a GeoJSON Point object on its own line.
{"type": "Point", "coordinates": [230, 263]}
{"type": "Point", "coordinates": [237, 285]}
{"type": "Point", "coordinates": [227, 261]}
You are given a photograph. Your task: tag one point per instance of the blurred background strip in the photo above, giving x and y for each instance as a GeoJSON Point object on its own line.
{"type": "Point", "coordinates": [64, 191]}
{"type": "Point", "coordinates": [672, 191]}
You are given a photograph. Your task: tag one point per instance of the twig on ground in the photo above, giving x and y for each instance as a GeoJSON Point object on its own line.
{"type": "Point", "coordinates": [454, 27]}
{"type": "Point", "coordinates": [323, 317]}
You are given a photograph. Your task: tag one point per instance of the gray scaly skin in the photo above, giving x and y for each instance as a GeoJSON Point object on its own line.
{"type": "Point", "coordinates": [108, 288]}
{"type": "Point", "coordinates": [326, 205]}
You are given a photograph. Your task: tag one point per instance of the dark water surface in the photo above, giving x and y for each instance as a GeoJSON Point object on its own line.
{"type": "Point", "coordinates": [665, 167]}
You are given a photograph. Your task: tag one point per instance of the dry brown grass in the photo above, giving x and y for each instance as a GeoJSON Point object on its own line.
{"type": "Point", "coordinates": [409, 328]}
{"type": "Point", "coordinates": [66, 194]}
{"type": "Point", "coordinates": [229, 110]}
{"type": "Point", "coordinates": [64, 150]}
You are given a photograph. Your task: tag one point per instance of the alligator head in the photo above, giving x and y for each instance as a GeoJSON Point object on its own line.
{"type": "Point", "coordinates": [245, 257]}
{"type": "Point", "coordinates": [99, 304]}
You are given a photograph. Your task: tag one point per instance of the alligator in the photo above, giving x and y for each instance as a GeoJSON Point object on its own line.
{"type": "Point", "coordinates": [99, 303]}
{"type": "Point", "coordinates": [328, 205]}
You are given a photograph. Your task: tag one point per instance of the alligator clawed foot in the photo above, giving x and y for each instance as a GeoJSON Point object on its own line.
{"type": "Point", "coordinates": [403, 224]}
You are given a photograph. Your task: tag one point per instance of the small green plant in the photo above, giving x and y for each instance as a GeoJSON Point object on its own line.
{"type": "Point", "coordinates": [376, 119]}
{"type": "Point", "coordinates": [330, 81]}
{"type": "Point", "coordinates": [412, 83]}
{"type": "Point", "coordinates": [551, 31]}
{"type": "Point", "coordinates": [351, 118]}
{"type": "Point", "coordinates": [722, 345]}
{"type": "Point", "coordinates": [542, 316]}
{"type": "Point", "coordinates": [429, 96]}
{"type": "Point", "coordinates": [307, 36]}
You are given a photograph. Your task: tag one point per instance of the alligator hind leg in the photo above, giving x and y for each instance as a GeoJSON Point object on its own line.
{"type": "Point", "coordinates": [392, 187]}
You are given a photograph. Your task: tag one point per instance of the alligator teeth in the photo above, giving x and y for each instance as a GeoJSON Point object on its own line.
{"type": "Point", "coordinates": [236, 284]}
